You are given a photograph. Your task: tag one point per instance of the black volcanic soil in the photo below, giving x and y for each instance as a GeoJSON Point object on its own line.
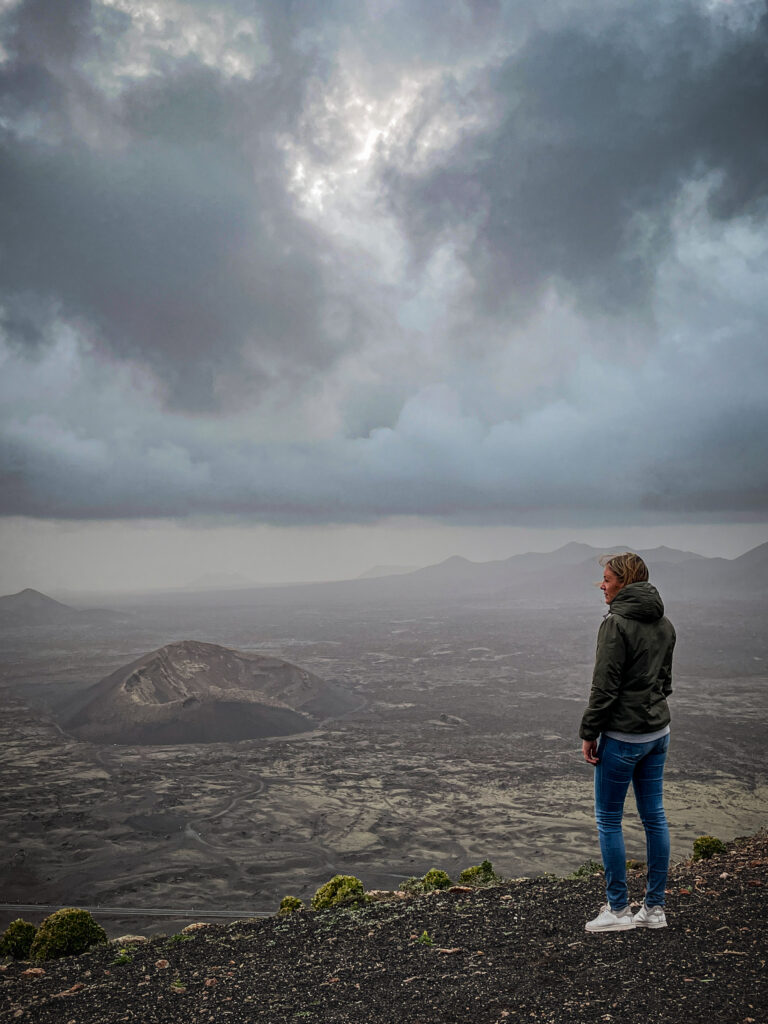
{"type": "Point", "coordinates": [517, 952]}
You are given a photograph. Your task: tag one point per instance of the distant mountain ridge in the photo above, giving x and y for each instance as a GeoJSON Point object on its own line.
{"type": "Point", "coordinates": [536, 579]}
{"type": "Point", "coordinates": [544, 577]}
{"type": "Point", "coordinates": [194, 692]}
{"type": "Point", "coordinates": [386, 570]}
{"type": "Point", "coordinates": [572, 553]}
{"type": "Point", "coordinates": [566, 575]}
{"type": "Point", "coordinates": [31, 608]}
{"type": "Point", "coordinates": [563, 573]}
{"type": "Point", "coordinates": [32, 600]}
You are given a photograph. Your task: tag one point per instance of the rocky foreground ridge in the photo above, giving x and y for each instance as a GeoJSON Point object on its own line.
{"type": "Point", "coordinates": [515, 952]}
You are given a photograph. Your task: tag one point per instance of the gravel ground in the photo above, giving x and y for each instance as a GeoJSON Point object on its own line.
{"type": "Point", "coordinates": [516, 952]}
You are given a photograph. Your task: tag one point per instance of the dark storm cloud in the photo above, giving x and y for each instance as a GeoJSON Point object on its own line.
{"type": "Point", "coordinates": [160, 220]}
{"type": "Point", "coordinates": [598, 123]}
{"type": "Point", "coordinates": [181, 336]}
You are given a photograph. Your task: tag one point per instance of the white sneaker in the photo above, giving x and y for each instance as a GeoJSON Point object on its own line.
{"type": "Point", "coordinates": [611, 920]}
{"type": "Point", "coordinates": [650, 917]}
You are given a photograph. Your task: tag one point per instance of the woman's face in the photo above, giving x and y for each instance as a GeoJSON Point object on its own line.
{"type": "Point", "coordinates": [611, 584]}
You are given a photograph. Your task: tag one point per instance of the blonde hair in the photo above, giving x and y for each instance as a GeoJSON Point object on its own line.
{"type": "Point", "coordinates": [629, 567]}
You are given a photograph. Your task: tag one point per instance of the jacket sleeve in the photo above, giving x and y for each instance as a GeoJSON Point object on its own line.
{"type": "Point", "coordinates": [606, 679]}
{"type": "Point", "coordinates": [666, 668]}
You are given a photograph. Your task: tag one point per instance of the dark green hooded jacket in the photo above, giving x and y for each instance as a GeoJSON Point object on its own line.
{"type": "Point", "coordinates": [633, 666]}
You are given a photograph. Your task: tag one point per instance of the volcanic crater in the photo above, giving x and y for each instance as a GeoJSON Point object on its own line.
{"type": "Point", "coordinates": [194, 692]}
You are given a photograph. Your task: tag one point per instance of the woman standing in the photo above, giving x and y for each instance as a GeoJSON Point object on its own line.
{"type": "Point", "coordinates": [628, 713]}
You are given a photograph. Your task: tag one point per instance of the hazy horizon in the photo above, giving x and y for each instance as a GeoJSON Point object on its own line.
{"type": "Point", "coordinates": [131, 558]}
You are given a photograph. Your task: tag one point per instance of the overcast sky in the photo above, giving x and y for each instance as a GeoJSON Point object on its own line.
{"type": "Point", "coordinates": [289, 287]}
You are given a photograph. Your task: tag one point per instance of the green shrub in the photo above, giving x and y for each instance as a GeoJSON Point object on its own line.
{"type": "Point", "coordinates": [17, 939]}
{"type": "Point", "coordinates": [425, 938]}
{"type": "Point", "coordinates": [479, 875]}
{"type": "Point", "coordinates": [587, 869]}
{"type": "Point", "coordinates": [707, 846]}
{"type": "Point", "coordinates": [290, 904]}
{"type": "Point", "coordinates": [436, 879]}
{"type": "Point", "coordinates": [340, 891]}
{"type": "Point", "coordinates": [66, 932]}
{"type": "Point", "coordinates": [414, 886]}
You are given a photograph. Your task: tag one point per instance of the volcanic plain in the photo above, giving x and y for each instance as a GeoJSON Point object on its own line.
{"type": "Point", "coordinates": [461, 745]}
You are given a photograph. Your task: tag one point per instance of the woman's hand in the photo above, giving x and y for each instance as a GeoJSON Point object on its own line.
{"type": "Point", "coordinates": [589, 750]}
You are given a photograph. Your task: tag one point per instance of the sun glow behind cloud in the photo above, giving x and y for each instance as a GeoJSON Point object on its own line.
{"type": "Point", "coordinates": [371, 122]}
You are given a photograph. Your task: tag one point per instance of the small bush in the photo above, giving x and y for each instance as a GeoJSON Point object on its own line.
{"type": "Point", "coordinates": [587, 869]}
{"type": "Point", "coordinates": [413, 886]}
{"type": "Point", "coordinates": [436, 879]}
{"type": "Point", "coordinates": [17, 939]}
{"type": "Point", "coordinates": [425, 939]}
{"type": "Point", "coordinates": [66, 932]}
{"type": "Point", "coordinates": [290, 904]}
{"type": "Point", "coordinates": [340, 891]}
{"type": "Point", "coordinates": [707, 846]}
{"type": "Point", "coordinates": [479, 875]}
{"type": "Point", "coordinates": [174, 940]}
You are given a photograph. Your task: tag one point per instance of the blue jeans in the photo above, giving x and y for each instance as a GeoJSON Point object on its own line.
{"type": "Point", "coordinates": [642, 764]}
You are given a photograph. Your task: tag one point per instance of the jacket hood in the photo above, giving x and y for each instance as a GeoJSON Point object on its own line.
{"type": "Point", "coordinates": [640, 601]}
